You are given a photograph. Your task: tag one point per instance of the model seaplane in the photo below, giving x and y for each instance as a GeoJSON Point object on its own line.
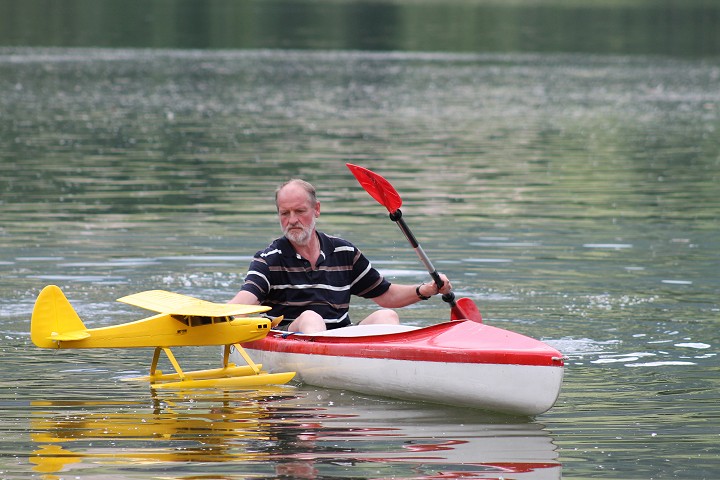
{"type": "Point", "coordinates": [181, 321]}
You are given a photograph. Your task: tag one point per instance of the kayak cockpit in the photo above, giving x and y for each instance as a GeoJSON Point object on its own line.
{"type": "Point", "coordinates": [361, 331]}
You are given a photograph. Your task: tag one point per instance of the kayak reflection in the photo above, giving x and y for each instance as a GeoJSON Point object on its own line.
{"type": "Point", "coordinates": [460, 443]}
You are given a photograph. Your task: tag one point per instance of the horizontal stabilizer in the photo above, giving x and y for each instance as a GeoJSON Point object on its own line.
{"type": "Point", "coordinates": [69, 336]}
{"type": "Point", "coordinates": [177, 304]}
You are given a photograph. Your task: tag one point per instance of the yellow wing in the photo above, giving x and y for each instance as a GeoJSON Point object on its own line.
{"type": "Point", "coordinates": [177, 304]}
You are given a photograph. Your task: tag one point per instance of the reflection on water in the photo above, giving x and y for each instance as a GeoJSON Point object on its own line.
{"type": "Point", "coordinates": [281, 432]}
{"type": "Point", "coordinates": [182, 430]}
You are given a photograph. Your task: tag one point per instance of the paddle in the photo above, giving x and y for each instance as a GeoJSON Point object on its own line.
{"type": "Point", "coordinates": [385, 194]}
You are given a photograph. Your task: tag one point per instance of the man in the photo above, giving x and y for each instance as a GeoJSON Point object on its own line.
{"type": "Point", "coordinates": [309, 277]}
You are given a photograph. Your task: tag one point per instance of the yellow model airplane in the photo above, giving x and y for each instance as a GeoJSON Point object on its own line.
{"type": "Point", "coordinates": [182, 321]}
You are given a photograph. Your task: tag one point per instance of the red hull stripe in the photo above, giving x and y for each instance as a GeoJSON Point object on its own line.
{"type": "Point", "coordinates": [450, 342]}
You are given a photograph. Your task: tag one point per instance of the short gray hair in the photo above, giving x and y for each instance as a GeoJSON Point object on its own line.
{"type": "Point", "coordinates": [307, 186]}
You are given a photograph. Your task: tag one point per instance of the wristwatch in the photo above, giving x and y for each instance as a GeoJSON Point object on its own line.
{"type": "Point", "coordinates": [420, 295]}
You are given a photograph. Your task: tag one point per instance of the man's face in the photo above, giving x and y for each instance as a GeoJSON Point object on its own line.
{"type": "Point", "coordinates": [297, 214]}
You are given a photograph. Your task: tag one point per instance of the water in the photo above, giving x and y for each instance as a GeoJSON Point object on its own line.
{"type": "Point", "coordinates": [574, 197]}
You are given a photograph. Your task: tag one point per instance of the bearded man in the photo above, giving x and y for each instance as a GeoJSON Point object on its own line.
{"type": "Point", "coordinates": [309, 277]}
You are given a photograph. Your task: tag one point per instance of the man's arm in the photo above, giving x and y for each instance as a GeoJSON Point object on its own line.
{"type": "Point", "coordinates": [245, 298]}
{"type": "Point", "coordinates": [398, 296]}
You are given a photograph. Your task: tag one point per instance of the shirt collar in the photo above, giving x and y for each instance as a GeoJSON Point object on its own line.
{"type": "Point", "coordinates": [326, 247]}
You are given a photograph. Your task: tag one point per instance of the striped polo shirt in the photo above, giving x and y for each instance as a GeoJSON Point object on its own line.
{"type": "Point", "coordinates": [283, 280]}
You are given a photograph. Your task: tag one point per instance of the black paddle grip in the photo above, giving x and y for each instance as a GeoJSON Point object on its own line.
{"type": "Point", "coordinates": [449, 298]}
{"type": "Point", "coordinates": [396, 217]}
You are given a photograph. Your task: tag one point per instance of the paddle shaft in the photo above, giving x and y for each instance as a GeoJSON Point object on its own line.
{"type": "Point", "coordinates": [396, 217]}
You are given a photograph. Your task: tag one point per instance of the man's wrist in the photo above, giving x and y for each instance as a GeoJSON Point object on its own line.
{"type": "Point", "coordinates": [419, 293]}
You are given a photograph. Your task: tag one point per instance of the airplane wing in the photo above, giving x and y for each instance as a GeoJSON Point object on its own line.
{"type": "Point", "coordinates": [177, 304]}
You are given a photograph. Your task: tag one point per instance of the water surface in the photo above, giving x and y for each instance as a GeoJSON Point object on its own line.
{"type": "Point", "coordinates": [574, 197]}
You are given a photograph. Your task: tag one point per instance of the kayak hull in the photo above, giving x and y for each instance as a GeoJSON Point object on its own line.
{"type": "Point", "coordinates": [460, 363]}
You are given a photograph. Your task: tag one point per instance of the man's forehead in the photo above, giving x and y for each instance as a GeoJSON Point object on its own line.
{"type": "Point", "coordinates": [292, 192]}
{"type": "Point", "coordinates": [294, 201]}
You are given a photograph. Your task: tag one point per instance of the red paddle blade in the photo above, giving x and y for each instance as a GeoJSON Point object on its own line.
{"type": "Point", "coordinates": [465, 309]}
{"type": "Point", "coordinates": [378, 188]}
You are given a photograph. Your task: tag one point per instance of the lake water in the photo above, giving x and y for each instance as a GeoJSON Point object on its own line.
{"type": "Point", "coordinates": [570, 188]}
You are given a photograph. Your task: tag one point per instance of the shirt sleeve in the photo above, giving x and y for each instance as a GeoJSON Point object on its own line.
{"type": "Point", "coordinates": [257, 280]}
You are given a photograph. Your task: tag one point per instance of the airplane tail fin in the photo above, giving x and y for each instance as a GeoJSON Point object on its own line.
{"type": "Point", "coordinates": [52, 316]}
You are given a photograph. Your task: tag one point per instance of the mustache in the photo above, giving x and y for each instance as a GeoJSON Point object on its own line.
{"type": "Point", "coordinates": [295, 225]}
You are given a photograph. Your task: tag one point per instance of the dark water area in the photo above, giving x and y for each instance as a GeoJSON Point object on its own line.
{"type": "Point", "coordinates": [688, 28]}
{"type": "Point", "coordinates": [566, 179]}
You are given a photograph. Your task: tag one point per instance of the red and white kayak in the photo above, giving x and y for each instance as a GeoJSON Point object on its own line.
{"type": "Point", "coordinates": [461, 362]}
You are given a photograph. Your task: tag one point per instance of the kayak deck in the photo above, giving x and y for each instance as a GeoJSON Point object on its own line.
{"type": "Point", "coordinates": [454, 342]}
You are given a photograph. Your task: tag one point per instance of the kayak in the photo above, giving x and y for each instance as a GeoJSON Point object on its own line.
{"type": "Point", "coordinates": [464, 363]}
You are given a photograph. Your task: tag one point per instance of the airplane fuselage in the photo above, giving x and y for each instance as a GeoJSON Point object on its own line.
{"type": "Point", "coordinates": [165, 330]}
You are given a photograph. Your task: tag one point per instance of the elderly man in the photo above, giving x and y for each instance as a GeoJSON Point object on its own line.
{"type": "Point", "coordinates": [309, 277]}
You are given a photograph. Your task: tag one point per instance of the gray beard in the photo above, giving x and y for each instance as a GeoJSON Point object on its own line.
{"type": "Point", "coordinates": [302, 238]}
